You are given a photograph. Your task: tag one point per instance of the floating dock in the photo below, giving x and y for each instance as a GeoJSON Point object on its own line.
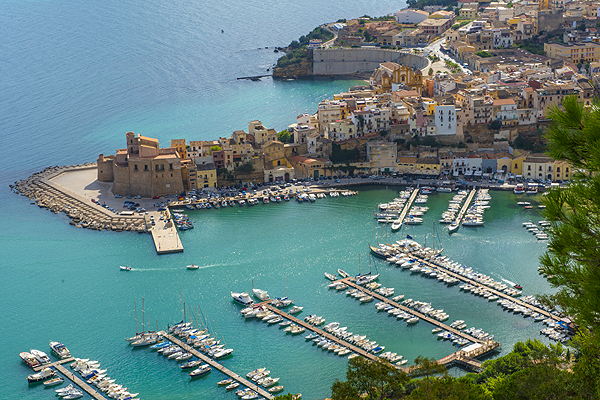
{"type": "Point", "coordinates": [465, 207]}
{"type": "Point", "coordinates": [422, 316]}
{"type": "Point", "coordinates": [321, 332]}
{"type": "Point", "coordinates": [217, 366]}
{"type": "Point", "coordinates": [76, 380]}
{"type": "Point", "coordinates": [408, 205]}
{"type": "Point", "coordinates": [72, 377]}
{"type": "Point", "coordinates": [488, 288]}
{"type": "Point", "coordinates": [54, 364]}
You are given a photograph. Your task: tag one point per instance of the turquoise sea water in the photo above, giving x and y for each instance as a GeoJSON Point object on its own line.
{"type": "Point", "coordinates": [75, 76]}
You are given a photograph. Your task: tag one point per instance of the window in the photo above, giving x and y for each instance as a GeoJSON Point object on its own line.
{"type": "Point", "coordinates": [135, 167]}
{"type": "Point", "coordinates": [529, 168]}
{"type": "Point", "coordinates": [170, 168]}
{"type": "Point", "coordinates": [146, 167]}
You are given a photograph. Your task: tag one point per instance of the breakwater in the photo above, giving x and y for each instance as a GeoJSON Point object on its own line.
{"type": "Point", "coordinates": [83, 213]}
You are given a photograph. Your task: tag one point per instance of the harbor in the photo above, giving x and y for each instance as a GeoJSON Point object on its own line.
{"type": "Point", "coordinates": [347, 222]}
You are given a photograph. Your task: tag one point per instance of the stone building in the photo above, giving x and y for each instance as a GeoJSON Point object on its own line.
{"type": "Point", "coordinates": [143, 168]}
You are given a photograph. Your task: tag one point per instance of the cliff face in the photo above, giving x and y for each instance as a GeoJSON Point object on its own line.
{"type": "Point", "coordinates": [297, 70]}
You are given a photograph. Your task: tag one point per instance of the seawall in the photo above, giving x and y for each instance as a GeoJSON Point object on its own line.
{"type": "Point", "coordinates": [353, 60]}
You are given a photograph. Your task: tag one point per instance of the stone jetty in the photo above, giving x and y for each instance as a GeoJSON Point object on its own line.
{"type": "Point", "coordinates": [83, 213]}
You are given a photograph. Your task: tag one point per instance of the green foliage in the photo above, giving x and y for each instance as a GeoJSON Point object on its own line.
{"type": "Point", "coordinates": [430, 73]}
{"type": "Point", "coordinates": [214, 148]}
{"type": "Point", "coordinates": [484, 54]}
{"type": "Point", "coordinates": [535, 48]}
{"type": "Point", "coordinates": [288, 396]}
{"type": "Point", "coordinates": [419, 4]}
{"type": "Point", "coordinates": [341, 156]}
{"type": "Point", "coordinates": [447, 387]}
{"type": "Point", "coordinates": [574, 252]}
{"type": "Point", "coordinates": [495, 125]}
{"type": "Point", "coordinates": [298, 50]}
{"type": "Point", "coordinates": [341, 20]}
{"type": "Point", "coordinates": [245, 168]}
{"type": "Point", "coordinates": [377, 379]}
{"type": "Point", "coordinates": [285, 137]}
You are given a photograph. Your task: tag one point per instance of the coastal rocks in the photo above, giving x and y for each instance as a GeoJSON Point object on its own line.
{"type": "Point", "coordinates": [39, 190]}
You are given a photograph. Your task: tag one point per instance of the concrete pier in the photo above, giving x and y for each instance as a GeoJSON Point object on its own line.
{"type": "Point", "coordinates": [165, 236]}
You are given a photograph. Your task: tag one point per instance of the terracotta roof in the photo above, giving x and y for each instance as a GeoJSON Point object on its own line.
{"type": "Point", "coordinates": [503, 102]}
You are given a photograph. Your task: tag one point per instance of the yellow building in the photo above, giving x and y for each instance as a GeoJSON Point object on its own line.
{"type": "Point", "coordinates": [576, 52]}
{"type": "Point", "coordinates": [468, 13]}
{"type": "Point", "coordinates": [382, 156]}
{"type": "Point", "coordinates": [406, 164]}
{"type": "Point", "coordinates": [390, 75]}
{"type": "Point", "coordinates": [516, 165]}
{"type": "Point", "coordinates": [311, 167]}
{"type": "Point", "coordinates": [562, 170]}
{"type": "Point", "coordinates": [431, 164]}
{"type": "Point", "coordinates": [429, 106]}
{"type": "Point", "coordinates": [180, 145]}
{"type": "Point", "coordinates": [538, 166]}
{"type": "Point", "coordinates": [207, 176]}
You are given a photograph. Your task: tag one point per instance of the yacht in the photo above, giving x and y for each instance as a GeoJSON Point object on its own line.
{"type": "Point", "coordinates": [261, 294]}
{"type": "Point", "coordinates": [40, 355]}
{"type": "Point", "coordinates": [242, 298]}
{"type": "Point", "coordinates": [202, 370]}
{"type": "Point", "coordinates": [42, 375]}
{"type": "Point", "coordinates": [29, 359]}
{"type": "Point", "coordinates": [296, 310]}
{"type": "Point", "coordinates": [60, 350]}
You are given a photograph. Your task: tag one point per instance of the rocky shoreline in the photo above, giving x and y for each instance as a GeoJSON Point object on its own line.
{"type": "Point", "coordinates": [41, 191]}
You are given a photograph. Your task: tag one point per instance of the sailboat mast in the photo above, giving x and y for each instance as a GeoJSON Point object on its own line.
{"type": "Point", "coordinates": [143, 316]}
{"type": "Point", "coordinates": [135, 307]}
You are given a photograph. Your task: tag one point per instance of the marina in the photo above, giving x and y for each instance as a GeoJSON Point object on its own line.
{"type": "Point", "coordinates": [214, 364]}
{"type": "Point", "coordinates": [417, 339]}
{"type": "Point", "coordinates": [436, 266]}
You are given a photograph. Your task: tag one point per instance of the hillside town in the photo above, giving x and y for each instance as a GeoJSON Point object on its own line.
{"type": "Point", "coordinates": [477, 111]}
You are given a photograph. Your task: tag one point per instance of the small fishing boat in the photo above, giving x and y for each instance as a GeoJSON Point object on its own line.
{"type": "Point", "coordinates": [276, 389]}
{"type": "Point", "coordinates": [232, 386]}
{"type": "Point", "coordinates": [331, 277]}
{"type": "Point", "coordinates": [296, 310]}
{"type": "Point", "coordinates": [125, 268]}
{"type": "Point", "coordinates": [343, 273]}
{"type": "Point", "coordinates": [517, 286]}
{"type": "Point", "coordinates": [192, 266]}
{"type": "Point", "coordinates": [190, 364]}
{"type": "Point", "coordinates": [225, 382]}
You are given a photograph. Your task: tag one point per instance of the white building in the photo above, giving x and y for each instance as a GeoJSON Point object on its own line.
{"type": "Point", "coordinates": [445, 120]}
{"type": "Point", "coordinates": [505, 110]}
{"type": "Point", "coordinates": [411, 16]}
{"type": "Point", "coordinates": [503, 39]}
{"type": "Point", "coordinates": [466, 165]}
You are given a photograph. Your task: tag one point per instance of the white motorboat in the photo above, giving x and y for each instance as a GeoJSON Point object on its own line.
{"type": "Point", "coordinates": [331, 277]}
{"type": "Point", "coordinates": [40, 355]}
{"type": "Point", "coordinates": [192, 266]}
{"type": "Point", "coordinates": [242, 298]}
{"type": "Point", "coordinates": [125, 268]}
{"type": "Point", "coordinates": [261, 294]}
{"type": "Point", "coordinates": [296, 310]}
{"type": "Point", "coordinates": [343, 273]}
{"type": "Point", "coordinates": [55, 381]}
{"type": "Point", "coordinates": [60, 350]}
{"type": "Point", "coordinates": [44, 374]}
